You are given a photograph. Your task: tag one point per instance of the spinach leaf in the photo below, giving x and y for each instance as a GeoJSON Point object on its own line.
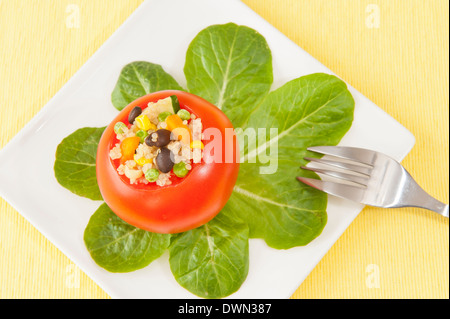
{"type": "Point", "coordinates": [231, 67]}
{"type": "Point", "coordinates": [316, 109]}
{"type": "Point", "coordinates": [75, 162]}
{"type": "Point", "coordinates": [211, 261]}
{"type": "Point", "coordinates": [138, 79]}
{"type": "Point", "coordinates": [120, 247]}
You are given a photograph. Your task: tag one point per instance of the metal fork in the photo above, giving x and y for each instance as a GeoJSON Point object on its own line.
{"type": "Point", "coordinates": [372, 178]}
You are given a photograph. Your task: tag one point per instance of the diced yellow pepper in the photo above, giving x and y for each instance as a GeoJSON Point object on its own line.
{"type": "Point", "coordinates": [128, 147]}
{"type": "Point", "coordinates": [143, 123]}
{"type": "Point", "coordinates": [197, 144]}
{"type": "Point", "coordinates": [173, 122]}
{"type": "Point", "coordinates": [179, 130]}
{"type": "Point", "coordinates": [182, 134]}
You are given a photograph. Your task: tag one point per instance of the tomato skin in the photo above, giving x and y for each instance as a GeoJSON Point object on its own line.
{"type": "Point", "coordinates": [187, 203]}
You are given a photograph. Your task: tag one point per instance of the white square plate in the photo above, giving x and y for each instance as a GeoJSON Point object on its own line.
{"type": "Point", "coordinates": [150, 35]}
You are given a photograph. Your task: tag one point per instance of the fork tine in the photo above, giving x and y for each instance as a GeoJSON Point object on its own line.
{"type": "Point", "coordinates": [354, 168]}
{"type": "Point", "coordinates": [351, 153]}
{"type": "Point", "coordinates": [347, 177]}
{"type": "Point", "coordinates": [353, 193]}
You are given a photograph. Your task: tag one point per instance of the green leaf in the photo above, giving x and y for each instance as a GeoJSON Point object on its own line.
{"type": "Point", "coordinates": [120, 247]}
{"type": "Point", "coordinates": [75, 162]}
{"type": "Point", "coordinates": [312, 110]}
{"type": "Point", "coordinates": [138, 79]}
{"type": "Point", "coordinates": [211, 261]}
{"type": "Point", "coordinates": [231, 67]}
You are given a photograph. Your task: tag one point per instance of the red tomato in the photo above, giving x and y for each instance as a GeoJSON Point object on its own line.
{"type": "Point", "coordinates": [188, 202]}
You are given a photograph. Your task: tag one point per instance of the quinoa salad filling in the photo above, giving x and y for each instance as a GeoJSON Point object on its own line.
{"type": "Point", "coordinates": [159, 142]}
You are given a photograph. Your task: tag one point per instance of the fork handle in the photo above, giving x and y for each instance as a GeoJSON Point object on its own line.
{"type": "Point", "coordinates": [423, 200]}
{"type": "Point", "coordinates": [437, 207]}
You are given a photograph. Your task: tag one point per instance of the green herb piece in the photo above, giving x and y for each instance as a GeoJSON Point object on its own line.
{"type": "Point", "coordinates": [316, 109]}
{"type": "Point", "coordinates": [180, 169]}
{"type": "Point", "coordinates": [231, 67]}
{"type": "Point", "coordinates": [119, 128]}
{"type": "Point", "coordinates": [138, 79]}
{"type": "Point", "coordinates": [152, 175]}
{"type": "Point", "coordinates": [75, 162]}
{"type": "Point", "coordinates": [162, 116]}
{"type": "Point", "coordinates": [175, 104]}
{"type": "Point", "coordinates": [184, 115]}
{"type": "Point", "coordinates": [120, 247]}
{"type": "Point", "coordinates": [211, 261]}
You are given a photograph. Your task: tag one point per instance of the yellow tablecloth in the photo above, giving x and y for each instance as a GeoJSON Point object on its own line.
{"type": "Point", "coordinates": [393, 51]}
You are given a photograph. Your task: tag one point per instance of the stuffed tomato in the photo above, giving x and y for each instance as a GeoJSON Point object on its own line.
{"type": "Point", "coordinates": [156, 168]}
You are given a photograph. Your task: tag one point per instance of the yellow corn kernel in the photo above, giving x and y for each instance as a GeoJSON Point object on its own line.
{"type": "Point", "coordinates": [152, 127]}
{"type": "Point", "coordinates": [143, 123]}
{"type": "Point", "coordinates": [142, 161]}
{"type": "Point", "coordinates": [197, 144]}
